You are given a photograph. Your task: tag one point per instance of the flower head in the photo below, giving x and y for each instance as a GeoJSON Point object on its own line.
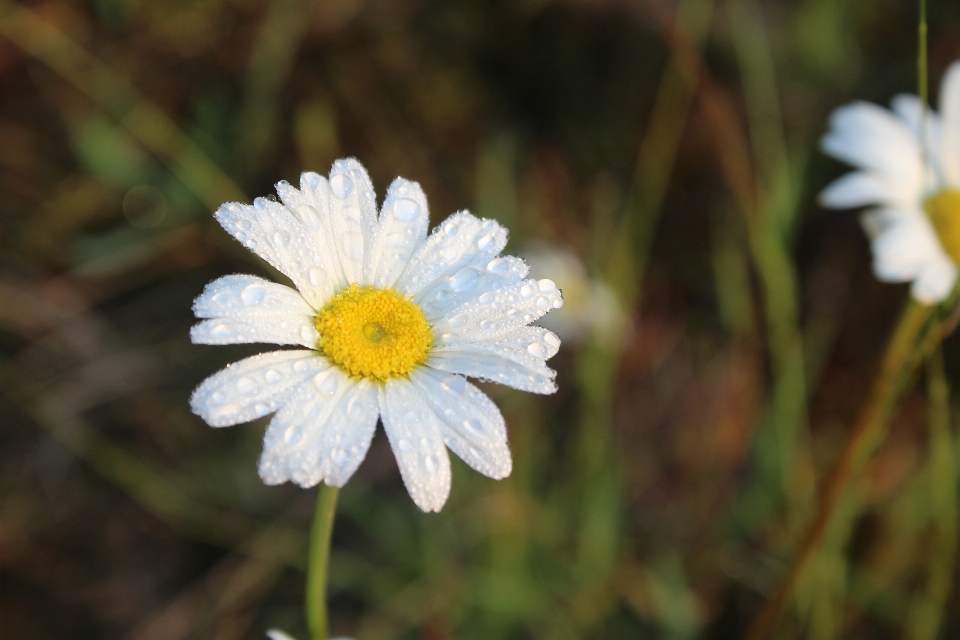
{"type": "Point", "coordinates": [912, 180]}
{"type": "Point", "coordinates": [392, 322]}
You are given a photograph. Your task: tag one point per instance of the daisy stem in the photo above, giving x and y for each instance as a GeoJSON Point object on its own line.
{"type": "Point", "coordinates": [319, 561]}
{"type": "Point", "coordinates": [910, 339]}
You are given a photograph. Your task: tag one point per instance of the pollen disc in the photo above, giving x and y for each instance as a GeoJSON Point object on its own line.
{"type": "Point", "coordinates": [943, 209]}
{"type": "Point", "coordinates": [373, 333]}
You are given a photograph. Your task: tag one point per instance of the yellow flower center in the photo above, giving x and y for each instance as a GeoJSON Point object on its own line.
{"type": "Point", "coordinates": [373, 333]}
{"type": "Point", "coordinates": [943, 209]}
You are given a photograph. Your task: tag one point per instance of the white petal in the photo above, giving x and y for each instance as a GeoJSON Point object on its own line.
{"type": "Point", "coordinates": [480, 279]}
{"type": "Point", "coordinates": [322, 433]}
{"type": "Point", "coordinates": [416, 436]}
{"type": "Point", "coordinates": [486, 362]}
{"type": "Point", "coordinates": [498, 312]}
{"type": "Point", "coordinates": [901, 251]}
{"type": "Point", "coordinates": [950, 110]}
{"type": "Point", "coordinates": [249, 296]}
{"type": "Point", "coordinates": [935, 281]}
{"type": "Point", "coordinates": [461, 241]}
{"type": "Point", "coordinates": [353, 216]}
{"type": "Point", "coordinates": [310, 205]}
{"type": "Point", "coordinates": [271, 231]}
{"type": "Point", "coordinates": [291, 328]}
{"type": "Point", "coordinates": [872, 138]}
{"type": "Point", "coordinates": [253, 387]}
{"type": "Point", "coordinates": [909, 109]}
{"type": "Point", "coordinates": [277, 634]}
{"type": "Point", "coordinates": [403, 224]}
{"type": "Point", "coordinates": [474, 428]}
{"type": "Point", "coordinates": [855, 190]}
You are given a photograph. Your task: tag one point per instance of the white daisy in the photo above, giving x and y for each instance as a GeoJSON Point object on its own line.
{"type": "Point", "coordinates": [392, 321]}
{"type": "Point", "coordinates": [915, 227]}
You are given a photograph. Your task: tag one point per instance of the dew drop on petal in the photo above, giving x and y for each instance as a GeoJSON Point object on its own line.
{"type": "Point", "coordinates": [430, 465]}
{"type": "Point", "coordinates": [558, 303]}
{"type": "Point", "coordinates": [538, 349]}
{"type": "Point", "coordinates": [326, 382]}
{"type": "Point", "coordinates": [527, 291]}
{"type": "Point", "coordinates": [552, 339]}
{"type": "Point", "coordinates": [455, 384]}
{"type": "Point", "coordinates": [353, 214]}
{"type": "Point", "coordinates": [487, 297]}
{"type": "Point", "coordinates": [217, 396]}
{"type": "Point", "coordinates": [221, 331]}
{"type": "Point", "coordinates": [281, 238]}
{"type": "Point", "coordinates": [473, 427]}
{"type": "Point", "coordinates": [341, 185]}
{"type": "Point", "coordinates": [499, 266]}
{"type": "Point", "coordinates": [225, 411]}
{"type": "Point", "coordinates": [404, 445]}
{"type": "Point", "coordinates": [465, 280]}
{"type": "Point", "coordinates": [450, 228]}
{"type": "Point", "coordinates": [244, 224]}
{"type": "Point", "coordinates": [546, 286]}
{"type": "Point", "coordinates": [293, 434]}
{"type": "Point", "coordinates": [339, 456]}
{"type": "Point", "coordinates": [301, 366]}
{"type": "Point", "coordinates": [543, 303]}
{"type": "Point", "coordinates": [355, 409]}
{"type": "Point", "coordinates": [308, 334]}
{"type": "Point", "coordinates": [273, 376]}
{"type": "Point", "coordinates": [449, 253]}
{"type": "Point", "coordinates": [458, 321]}
{"type": "Point", "coordinates": [222, 298]}
{"type": "Point", "coordinates": [253, 294]}
{"type": "Point", "coordinates": [485, 242]}
{"type": "Point", "coordinates": [406, 210]}
{"type": "Point", "coordinates": [449, 413]}
{"type": "Point", "coordinates": [261, 408]}
{"type": "Point", "coordinates": [247, 384]}
{"type": "Point", "coordinates": [317, 276]}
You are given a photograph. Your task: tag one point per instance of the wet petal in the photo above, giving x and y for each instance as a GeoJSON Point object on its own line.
{"type": "Point", "coordinates": [403, 224]}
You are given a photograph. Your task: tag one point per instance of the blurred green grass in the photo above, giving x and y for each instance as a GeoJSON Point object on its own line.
{"type": "Point", "coordinates": [659, 494]}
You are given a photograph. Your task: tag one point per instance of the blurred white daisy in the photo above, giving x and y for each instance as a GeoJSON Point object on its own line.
{"type": "Point", "coordinates": [392, 321]}
{"type": "Point", "coordinates": [915, 186]}
{"type": "Point", "coordinates": [590, 307]}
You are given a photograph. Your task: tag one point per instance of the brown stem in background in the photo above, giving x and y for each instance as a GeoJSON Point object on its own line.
{"type": "Point", "coordinates": [900, 360]}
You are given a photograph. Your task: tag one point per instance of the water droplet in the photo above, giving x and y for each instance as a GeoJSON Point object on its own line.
{"type": "Point", "coordinates": [443, 295]}
{"type": "Point", "coordinates": [543, 303]}
{"type": "Point", "coordinates": [273, 376]}
{"type": "Point", "coordinates": [293, 434]}
{"type": "Point", "coordinates": [395, 240]}
{"type": "Point", "coordinates": [339, 456]}
{"type": "Point", "coordinates": [406, 210]}
{"type": "Point", "coordinates": [317, 276]}
{"type": "Point", "coordinates": [458, 321]}
{"type": "Point", "coordinates": [485, 242]}
{"type": "Point", "coordinates": [538, 349]}
{"type": "Point", "coordinates": [355, 409]}
{"type": "Point", "coordinates": [487, 324]}
{"type": "Point", "coordinates": [217, 396]}
{"type": "Point", "coordinates": [309, 217]}
{"type": "Point", "coordinates": [326, 382]}
{"type": "Point", "coordinates": [404, 445]}
{"type": "Point", "coordinates": [465, 280]}
{"type": "Point", "coordinates": [244, 224]}
{"type": "Point", "coordinates": [449, 413]}
{"type": "Point", "coordinates": [352, 244]}
{"type": "Point", "coordinates": [308, 334]}
{"type": "Point", "coordinates": [450, 228]}
{"type": "Point", "coordinates": [261, 408]}
{"type": "Point", "coordinates": [353, 214]}
{"type": "Point", "coordinates": [253, 294]}
{"type": "Point", "coordinates": [430, 465]}
{"type": "Point", "coordinates": [499, 266]}
{"type": "Point", "coordinates": [487, 297]}
{"type": "Point", "coordinates": [455, 384]}
{"type": "Point", "coordinates": [527, 291]}
{"type": "Point", "coordinates": [558, 303]}
{"type": "Point", "coordinates": [301, 366]}
{"type": "Point", "coordinates": [341, 185]}
{"type": "Point", "coordinates": [546, 286]}
{"type": "Point", "coordinates": [473, 426]}
{"type": "Point", "coordinates": [225, 411]}
{"type": "Point", "coordinates": [552, 339]}
{"type": "Point", "coordinates": [449, 253]}
{"type": "Point", "coordinates": [281, 238]}
{"type": "Point", "coordinates": [247, 385]}
{"type": "Point", "coordinates": [221, 331]}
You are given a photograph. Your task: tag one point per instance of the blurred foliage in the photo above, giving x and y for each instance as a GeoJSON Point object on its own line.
{"type": "Point", "coordinates": [670, 147]}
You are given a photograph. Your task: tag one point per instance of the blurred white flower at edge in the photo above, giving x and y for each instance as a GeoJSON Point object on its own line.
{"type": "Point", "coordinates": [590, 307]}
{"type": "Point", "coordinates": [277, 634]}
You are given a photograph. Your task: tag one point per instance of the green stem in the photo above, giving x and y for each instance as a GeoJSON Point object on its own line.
{"type": "Point", "coordinates": [319, 561]}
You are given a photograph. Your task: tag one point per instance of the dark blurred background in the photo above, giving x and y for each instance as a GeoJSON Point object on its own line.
{"type": "Point", "coordinates": [657, 159]}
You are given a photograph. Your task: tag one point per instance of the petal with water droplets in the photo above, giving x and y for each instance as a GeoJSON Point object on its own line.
{"type": "Point", "coordinates": [253, 387]}
{"type": "Point", "coordinates": [416, 437]}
